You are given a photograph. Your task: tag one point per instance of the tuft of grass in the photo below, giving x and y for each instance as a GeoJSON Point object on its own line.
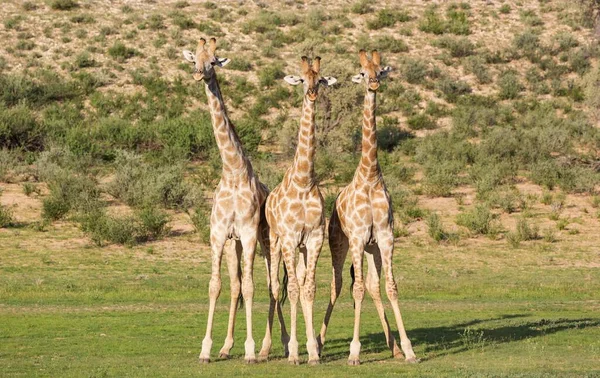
{"type": "Point", "coordinates": [120, 52]}
{"type": "Point", "coordinates": [386, 18]}
{"type": "Point", "coordinates": [200, 218]}
{"type": "Point", "coordinates": [361, 7]}
{"type": "Point", "coordinates": [510, 86]}
{"type": "Point", "coordinates": [504, 9]}
{"type": "Point", "coordinates": [63, 5]}
{"type": "Point", "coordinates": [458, 47]}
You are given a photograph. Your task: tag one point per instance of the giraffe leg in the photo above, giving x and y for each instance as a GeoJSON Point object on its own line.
{"type": "Point", "coordinates": [338, 244]}
{"type": "Point", "coordinates": [386, 246]}
{"type": "Point", "coordinates": [372, 284]}
{"type": "Point", "coordinates": [289, 251]}
{"type": "Point", "coordinates": [217, 243]}
{"type": "Point", "coordinates": [273, 306]}
{"type": "Point", "coordinates": [233, 253]}
{"type": "Point", "coordinates": [275, 252]}
{"type": "Point", "coordinates": [308, 290]}
{"type": "Point", "coordinates": [358, 293]}
{"type": "Point", "coordinates": [249, 245]}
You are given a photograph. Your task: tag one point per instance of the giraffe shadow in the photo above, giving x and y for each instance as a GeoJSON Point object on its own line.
{"type": "Point", "coordinates": [461, 337]}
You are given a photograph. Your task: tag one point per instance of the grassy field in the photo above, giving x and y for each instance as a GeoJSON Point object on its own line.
{"type": "Point", "coordinates": [489, 141]}
{"type": "Point", "coordinates": [68, 309]}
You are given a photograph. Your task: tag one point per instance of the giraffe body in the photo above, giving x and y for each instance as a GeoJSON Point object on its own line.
{"type": "Point", "coordinates": [362, 225]}
{"type": "Point", "coordinates": [295, 215]}
{"type": "Point", "coordinates": [237, 219]}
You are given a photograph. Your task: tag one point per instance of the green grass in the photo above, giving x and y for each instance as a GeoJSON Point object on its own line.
{"type": "Point", "coordinates": [87, 311]}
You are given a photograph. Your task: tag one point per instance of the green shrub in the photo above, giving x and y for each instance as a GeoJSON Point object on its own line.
{"type": "Point", "coordinates": [389, 134]}
{"type": "Point", "coordinates": [421, 122]}
{"type": "Point", "coordinates": [30, 188]}
{"type": "Point", "coordinates": [361, 7]}
{"type": "Point", "coordinates": [153, 222]}
{"type": "Point", "coordinates": [262, 22]}
{"type": "Point", "coordinates": [19, 128]}
{"type": "Point", "coordinates": [432, 22]}
{"type": "Point", "coordinates": [182, 20]}
{"type": "Point", "coordinates": [504, 9]}
{"type": "Point", "coordinates": [68, 191]}
{"type": "Point", "coordinates": [83, 19]}
{"type": "Point", "coordinates": [435, 228]}
{"type": "Point", "coordinates": [390, 44]}
{"type": "Point", "coordinates": [6, 217]}
{"type": "Point", "coordinates": [510, 86]}
{"type": "Point", "coordinates": [523, 232]}
{"type": "Point", "coordinates": [240, 64]}
{"type": "Point", "coordinates": [29, 6]}
{"type": "Point", "coordinates": [478, 220]}
{"type": "Point", "coordinates": [120, 52]}
{"type": "Point", "coordinates": [458, 22]}
{"type": "Point", "coordinates": [477, 66]}
{"type": "Point", "coordinates": [386, 18]}
{"type": "Point", "coordinates": [458, 47]}
{"type": "Point", "coordinates": [414, 70]}
{"type": "Point", "coordinates": [63, 4]}
{"type": "Point", "coordinates": [453, 89]}
{"type": "Point", "coordinates": [269, 75]}
{"type": "Point", "coordinates": [201, 220]}
{"type": "Point", "coordinates": [139, 184]}
{"type": "Point", "coordinates": [84, 60]}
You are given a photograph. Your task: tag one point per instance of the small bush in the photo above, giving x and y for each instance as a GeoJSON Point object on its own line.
{"type": "Point", "coordinates": [29, 6]}
{"type": "Point", "coordinates": [240, 64]}
{"type": "Point", "coordinates": [153, 222]}
{"type": "Point", "coordinates": [478, 220]}
{"type": "Point", "coordinates": [414, 70]}
{"type": "Point", "coordinates": [390, 44]}
{"type": "Point", "coordinates": [120, 52]}
{"type": "Point", "coordinates": [458, 22]}
{"type": "Point", "coordinates": [386, 18]}
{"type": "Point", "coordinates": [6, 217]}
{"type": "Point", "coordinates": [432, 22]}
{"type": "Point", "coordinates": [453, 89]}
{"type": "Point", "coordinates": [435, 228]}
{"type": "Point", "coordinates": [523, 232]}
{"type": "Point", "coordinates": [504, 9]}
{"type": "Point", "coordinates": [477, 66]}
{"type": "Point", "coordinates": [85, 60]}
{"type": "Point", "coordinates": [201, 220]}
{"type": "Point", "coordinates": [458, 47]}
{"type": "Point", "coordinates": [63, 4]}
{"type": "Point", "coordinates": [30, 188]}
{"type": "Point", "coordinates": [269, 75]}
{"type": "Point", "coordinates": [389, 134]}
{"type": "Point", "coordinates": [361, 7]}
{"type": "Point", "coordinates": [510, 86]}
{"type": "Point", "coordinates": [421, 122]}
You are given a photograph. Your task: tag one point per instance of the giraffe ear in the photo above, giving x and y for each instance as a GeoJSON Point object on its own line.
{"type": "Point", "coordinates": [222, 62]}
{"type": "Point", "coordinates": [292, 79]}
{"type": "Point", "coordinates": [189, 56]}
{"type": "Point", "coordinates": [357, 78]}
{"type": "Point", "coordinates": [385, 71]}
{"type": "Point", "coordinates": [329, 80]}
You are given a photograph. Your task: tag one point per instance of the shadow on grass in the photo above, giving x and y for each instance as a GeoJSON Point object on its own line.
{"type": "Point", "coordinates": [457, 338]}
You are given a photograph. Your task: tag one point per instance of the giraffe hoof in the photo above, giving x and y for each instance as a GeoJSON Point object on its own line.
{"type": "Point", "coordinates": [224, 356]}
{"type": "Point", "coordinates": [398, 355]}
{"type": "Point", "coordinates": [313, 362]}
{"type": "Point", "coordinates": [294, 361]}
{"type": "Point", "coordinates": [263, 357]}
{"type": "Point", "coordinates": [251, 361]}
{"type": "Point", "coordinates": [354, 362]}
{"type": "Point", "coordinates": [203, 360]}
{"type": "Point", "coordinates": [413, 360]}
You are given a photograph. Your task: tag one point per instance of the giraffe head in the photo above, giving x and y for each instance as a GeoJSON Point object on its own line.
{"type": "Point", "coordinates": [311, 78]}
{"type": "Point", "coordinates": [371, 71]}
{"type": "Point", "coordinates": [205, 60]}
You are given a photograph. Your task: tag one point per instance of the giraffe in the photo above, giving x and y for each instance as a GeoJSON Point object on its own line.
{"type": "Point", "coordinates": [295, 215]}
{"type": "Point", "coordinates": [237, 218]}
{"type": "Point", "coordinates": [362, 223]}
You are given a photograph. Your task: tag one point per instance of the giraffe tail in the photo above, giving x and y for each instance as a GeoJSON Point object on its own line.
{"type": "Point", "coordinates": [284, 285]}
{"type": "Point", "coordinates": [352, 283]}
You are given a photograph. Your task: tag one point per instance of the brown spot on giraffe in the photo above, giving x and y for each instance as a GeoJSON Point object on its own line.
{"type": "Point", "coordinates": [295, 215]}
{"type": "Point", "coordinates": [237, 219]}
{"type": "Point", "coordinates": [362, 223]}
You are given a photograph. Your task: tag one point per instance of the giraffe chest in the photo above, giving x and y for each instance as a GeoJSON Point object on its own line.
{"type": "Point", "coordinates": [235, 209]}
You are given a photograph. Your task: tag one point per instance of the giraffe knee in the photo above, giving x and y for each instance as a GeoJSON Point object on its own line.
{"type": "Point", "coordinates": [358, 291]}
{"type": "Point", "coordinates": [214, 287]}
{"type": "Point", "coordinates": [275, 287]}
{"type": "Point", "coordinates": [293, 291]}
{"type": "Point", "coordinates": [392, 291]}
{"type": "Point", "coordinates": [309, 293]}
{"type": "Point", "coordinates": [372, 287]}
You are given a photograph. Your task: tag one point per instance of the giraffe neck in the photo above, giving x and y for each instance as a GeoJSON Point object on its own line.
{"type": "Point", "coordinates": [368, 168]}
{"type": "Point", "coordinates": [230, 147]}
{"type": "Point", "coordinates": [303, 168]}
